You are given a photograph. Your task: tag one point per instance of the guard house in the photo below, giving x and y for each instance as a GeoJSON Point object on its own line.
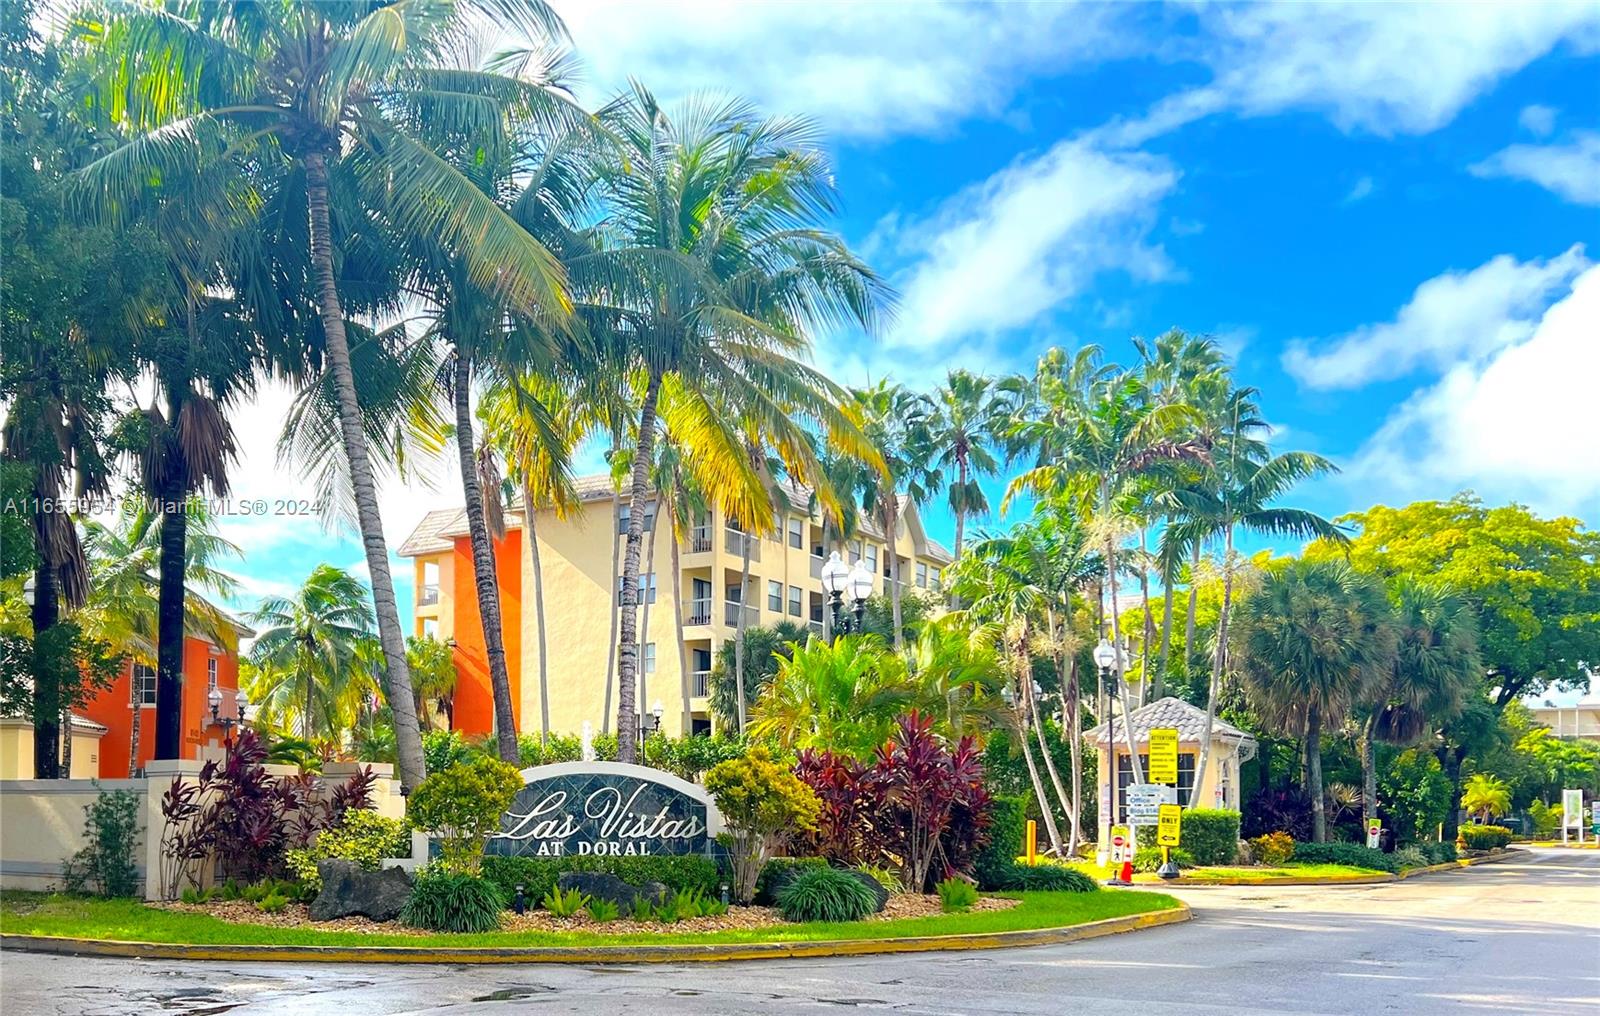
{"type": "Point", "coordinates": [1230, 747]}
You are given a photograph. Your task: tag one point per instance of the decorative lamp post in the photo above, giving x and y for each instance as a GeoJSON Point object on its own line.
{"type": "Point", "coordinates": [861, 582]}
{"type": "Point", "coordinates": [650, 722]}
{"type": "Point", "coordinates": [241, 702]}
{"type": "Point", "coordinates": [835, 579]}
{"type": "Point", "coordinates": [1105, 657]}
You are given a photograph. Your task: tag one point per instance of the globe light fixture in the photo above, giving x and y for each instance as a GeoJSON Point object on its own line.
{"type": "Point", "coordinates": [1105, 655]}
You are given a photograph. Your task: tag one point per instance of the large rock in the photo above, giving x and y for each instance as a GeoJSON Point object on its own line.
{"type": "Point", "coordinates": [880, 895]}
{"type": "Point", "coordinates": [599, 885]}
{"type": "Point", "coordinates": [349, 890]}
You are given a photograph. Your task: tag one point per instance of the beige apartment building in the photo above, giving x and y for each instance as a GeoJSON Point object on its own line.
{"type": "Point", "coordinates": [580, 587]}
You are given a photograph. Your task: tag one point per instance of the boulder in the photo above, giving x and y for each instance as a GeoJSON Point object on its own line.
{"type": "Point", "coordinates": [350, 890]}
{"type": "Point", "coordinates": [599, 885]}
{"type": "Point", "coordinates": [880, 895]}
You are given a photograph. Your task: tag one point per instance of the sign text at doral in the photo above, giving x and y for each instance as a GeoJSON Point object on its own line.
{"type": "Point", "coordinates": [605, 809]}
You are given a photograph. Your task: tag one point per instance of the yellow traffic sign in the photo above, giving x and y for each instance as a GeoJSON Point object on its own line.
{"type": "Point", "coordinates": [1168, 825]}
{"type": "Point", "coordinates": [1164, 755]}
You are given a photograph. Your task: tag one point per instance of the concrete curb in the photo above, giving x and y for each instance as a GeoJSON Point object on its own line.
{"type": "Point", "coordinates": [686, 953]}
{"type": "Point", "coordinates": [1338, 880]}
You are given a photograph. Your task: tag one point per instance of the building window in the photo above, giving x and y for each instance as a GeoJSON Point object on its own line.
{"type": "Point", "coordinates": [855, 551]}
{"type": "Point", "coordinates": [794, 601]}
{"type": "Point", "coordinates": [922, 575]}
{"type": "Point", "coordinates": [211, 673]}
{"type": "Point", "coordinates": [775, 596]}
{"type": "Point", "coordinates": [649, 657]}
{"type": "Point", "coordinates": [1125, 779]}
{"type": "Point", "coordinates": [144, 685]}
{"type": "Point", "coordinates": [430, 628]}
{"type": "Point", "coordinates": [872, 558]}
{"type": "Point", "coordinates": [647, 588]}
{"type": "Point", "coordinates": [627, 513]}
{"type": "Point", "coordinates": [796, 534]}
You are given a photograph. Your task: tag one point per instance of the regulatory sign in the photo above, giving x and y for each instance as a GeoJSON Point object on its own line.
{"type": "Point", "coordinates": [1145, 801]}
{"type": "Point", "coordinates": [1374, 834]}
{"type": "Point", "coordinates": [1169, 825]}
{"type": "Point", "coordinates": [1121, 844]}
{"type": "Point", "coordinates": [1163, 755]}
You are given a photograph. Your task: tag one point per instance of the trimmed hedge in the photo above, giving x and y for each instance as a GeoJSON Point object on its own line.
{"type": "Point", "coordinates": [1007, 826]}
{"type": "Point", "coordinates": [1438, 851]}
{"type": "Point", "coordinates": [538, 875]}
{"type": "Point", "coordinates": [1052, 878]}
{"type": "Point", "coordinates": [1210, 835]}
{"type": "Point", "coordinates": [1351, 854]}
{"type": "Point", "coordinates": [1148, 859]}
{"type": "Point", "coordinates": [1485, 837]}
{"type": "Point", "coordinates": [779, 872]}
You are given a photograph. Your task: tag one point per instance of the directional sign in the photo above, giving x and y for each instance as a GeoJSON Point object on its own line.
{"type": "Point", "coordinates": [1164, 755]}
{"type": "Point", "coordinates": [1169, 825]}
{"type": "Point", "coordinates": [1145, 801]}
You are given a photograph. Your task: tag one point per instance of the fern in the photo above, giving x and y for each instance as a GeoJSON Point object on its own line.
{"type": "Point", "coordinates": [956, 894]}
{"type": "Point", "coordinates": [603, 910]}
{"type": "Point", "coordinates": [564, 904]}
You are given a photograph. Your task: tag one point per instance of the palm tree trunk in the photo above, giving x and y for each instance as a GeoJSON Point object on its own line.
{"type": "Point", "coordinates": [1218, 662]}
{"type": "Point", "coordinates": [1050, 765]}
{"type": "Point", "coordinates": [408, 740]}
{"type": "Point", "coordinates": [1116, 639]}
{"type": "Point", "coordinates": [1074, 725]}
{"type": "Point", "coordinates": [483, 569]}
{"type": "Point", "coordinates": [891, 517]}
{"type": "Point", "coordinates": [1369, 771]}
{"type": "Point", "coordinates": [530, 516]}
{"type": "Point", "coordinates": [1149, 622]}
{"type": "Point", "coordinates": [616, 606]}
{"type": "Point", "coordinates": [1069, 807]}
{"type": "Point", "coordinates": [1160, 686]}
{"type": "Point", "coordinates": [1319, 818]}
{"type": "Point", "coordinates": [1188, 623]}
{"type": "Point", "coordinates": [66, 743]}
{"type": "Point", "coordinates": [169, 618]}
{"type": "Point", "coordinates": [961, 512]}
{"type": "Point", "coordinates": [136, 729]}
{"type": "Point", "coordinates": [644, 620]}
{"type": "Point", "coordinates": [683, 651]}
{"type": "Point", "coordinates": [1023, 699]}
{"type": "Point", "coordinates": [739, 627]}
{"type": "Point", "coordinates": [628, 642]}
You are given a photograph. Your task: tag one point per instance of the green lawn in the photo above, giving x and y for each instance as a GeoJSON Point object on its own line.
{"type": "Point", "coordinates": [129, 920]}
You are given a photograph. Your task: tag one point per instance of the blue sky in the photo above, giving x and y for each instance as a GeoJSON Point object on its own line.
{"type": "Point", "coordinates": [1388, 213]}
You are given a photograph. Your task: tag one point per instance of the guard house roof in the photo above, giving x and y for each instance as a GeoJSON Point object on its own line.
{"type": "Point", "coordinates": [1173, 713]}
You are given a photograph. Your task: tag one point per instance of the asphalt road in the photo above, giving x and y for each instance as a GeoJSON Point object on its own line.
{"type": "Point", "coordinates": [1516, 937]}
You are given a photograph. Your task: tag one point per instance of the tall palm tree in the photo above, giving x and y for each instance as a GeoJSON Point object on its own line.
{"type": "Point", "coordinates": [1435, 668]}
{"type": "Point", "coordinates": [319, 99]}
{"type": "Point", "coordinates": [306, 652]}
{"type": "Point", "coordinates": [722, 273]}
{"type": "Point", "coordinates": [965, 420]}
{"type": "Point", "coordinates": [1310, 641]}
{"type": "Point", "coordinates": [897, 421]}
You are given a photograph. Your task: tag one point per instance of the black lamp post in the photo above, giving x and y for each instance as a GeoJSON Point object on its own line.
{"type": "Point", "coordinates": [840, 581]}
{"type": "Point", "coordinates": [227, 723]}
{"type": "Point", "coordinates": [861, 582]}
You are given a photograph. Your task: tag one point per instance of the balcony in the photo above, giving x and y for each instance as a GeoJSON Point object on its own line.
{"type": "Point", "coordinates": [700, 684]}
{"type": "Point", "coordinates": [816, 627]}
{"type": "Point", "coordinates": [700, 541]}
{"type": "Point", "coordinates": [735, 543]}
{"type": "Point", "coordinates": [430, 594]}
{"type": "Point", "coordinates": [699, 612]}
{"type": "Point", "coordinates": [730, 615]}
{"type": "Point", "coordinates": [816, 566]}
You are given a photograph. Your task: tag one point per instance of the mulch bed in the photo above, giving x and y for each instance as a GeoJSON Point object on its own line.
{"type": "Point", "coordinates": [297, 915]}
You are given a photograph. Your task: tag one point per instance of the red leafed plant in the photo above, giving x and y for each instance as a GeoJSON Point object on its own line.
{"type": "Point", "coordinates": [844, 831]}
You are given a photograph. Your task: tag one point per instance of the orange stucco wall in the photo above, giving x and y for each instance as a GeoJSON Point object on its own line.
{"type": "Point", "coordinates": [114, 708]}
{"type": "Point", "coordinates": [473, 707]}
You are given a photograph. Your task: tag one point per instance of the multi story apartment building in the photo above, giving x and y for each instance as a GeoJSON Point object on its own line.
{"type": "Point", "coordinates": [577, 555]}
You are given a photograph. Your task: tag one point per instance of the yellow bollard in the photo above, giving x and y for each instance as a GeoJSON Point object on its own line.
{"type": "Point", "coordinates": [1033, 842]}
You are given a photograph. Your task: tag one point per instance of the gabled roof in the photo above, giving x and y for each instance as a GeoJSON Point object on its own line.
{"type": "Point", "coordinates": [1174, 713]}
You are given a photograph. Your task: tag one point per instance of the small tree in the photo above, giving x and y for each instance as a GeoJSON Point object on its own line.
{"type": "Point", "coordinates": [761, 801]}
{"type": "Point", "coordinates": [111, 828]}
{"type": "Point", "coordinates": [463, 805]}
{"type": "Point", "coordinates": [1486, 796]}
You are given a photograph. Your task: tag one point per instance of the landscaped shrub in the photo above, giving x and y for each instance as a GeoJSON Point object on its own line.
{"type": "Point", "coordinates": [761, 801]}
{"type": "Point", "coordinates": [603, 910]}
{"type": "Point", "coordinates": [442, 749]}
{"type": "Point", "coordinates": [1485, 837]}
{"type": "Point", "coordinates": [443, 900]}
{"type": "Point", "coordinates": [1351, 854]}
{"type": "Point", "coordinates": [1287, 809]}
{"type": "Point", "coordinates": [1273, 849]}
{"type": "Point", "coordinates": [564, 904]}
{"type": "Point", "coordinates": [1007, 826]}
{"type": "Point", "coordinates": [1053, 878]}
{"type": "Point", "coordinates": [361, 836]}
{"type": "Point", "coordinates": [1438, 851]}
{"type": "Point", "coordinates": [956, 894]}
{"type": "Point", "coordinates": [1410, 857]}
{"type": "Point", "coordinates": [462, 805]}
{"type": "Point", "coordinates": [848, 801]}
{"type": "Point", "coordinates": [1148, 859]}
{"type": "Point", "coordinates": [928, 788]}
{"type": "Point", "coordinates": [1211, 835]}
{"type": "Point", "coordinates": [111, 830]}
{"type": "Point", "coordinates": [538, 875]}
{"type": "Point", "coordinates": [886, 877]}
{"type": "Point", "coordinates": [825, 894]}
{"type": "Point", "coordinates": [779, 872]}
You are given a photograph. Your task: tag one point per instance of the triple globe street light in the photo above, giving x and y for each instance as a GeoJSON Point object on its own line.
{"type": "Point", "coordinates": [840, 580]}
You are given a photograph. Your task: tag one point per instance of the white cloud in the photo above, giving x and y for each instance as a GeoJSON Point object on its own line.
{"type": "Point", "coordinates": [1363, 189]}
{"type": "Point", "coordinates": [1571, 171]}
{"type": "Point", "coordinates": [1537, 120]}
{"type": "Point", "coordinates": [1518, 425]}
{"type": "Point", "coordinates": [870, 69]}
{"type": "Point", "coordinates": [1385, 68]}
{"type": "Point", "coordinates": [1002, 253]}
{"type": "Point", "coordinates": [1451, 318]}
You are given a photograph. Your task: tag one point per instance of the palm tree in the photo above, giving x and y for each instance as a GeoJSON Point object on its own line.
{"type": "Point", "coordinates": [722, 274]}
{"type": "Point", "coordinates": [325, 99]}
{"type": "Point", "coordinates": [1485, 796]}
{"type": "Point", "coordinates": [1435, 669]}
{"type": "Point", "coordinates": [306, 653]}
{"type": "Point", "coordinates": [897, 423]}
{"type": "Point", "coordinates": [433, 678]}
{"type": "Point", "coordinates": [842, 696]}
{"type": "Point", "coordinates": [1311, 640]}
{"type": "Point", "coordinates": [965, 419]}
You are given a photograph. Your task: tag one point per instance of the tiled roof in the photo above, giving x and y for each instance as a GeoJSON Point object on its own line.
{"type": "Point", "coordinates": [431, 534]}
{"type": "Point", "coordinates": [1169, 713]}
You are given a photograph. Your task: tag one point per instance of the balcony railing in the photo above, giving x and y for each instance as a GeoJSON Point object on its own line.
{"type": "Point", "coordinates": [730, 615]}
{"type": "Point", "coordinates": [699, 612]}
{"type": "Point", "coordinates": [430, 594]}
{"type": "Point", "coordinates": [699, 542]}
{"type": "Point", "coordinates": [816, 567]}
{"type": "Point", "coordinates": [700, 684]}
{"type": "Point", "coordinates": [735, 544]}
{"type": "Point", "coordinates": [815, 626]}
